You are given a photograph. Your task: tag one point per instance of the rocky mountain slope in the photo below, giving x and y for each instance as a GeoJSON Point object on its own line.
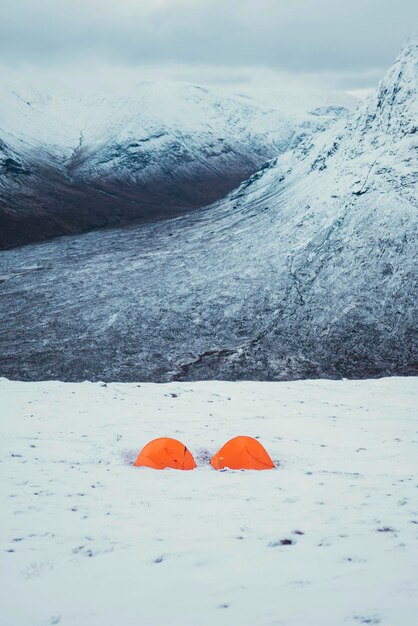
{"type": "Point", "coordinates": [307, 269]}
{"type": "Point", "coordinates": [84, 161]}
{"type": "Point", "coordinates": [70, 163]}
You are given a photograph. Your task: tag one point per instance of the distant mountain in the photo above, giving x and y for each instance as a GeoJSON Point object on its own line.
{"type": "Point", "coordinates": [308, 269]}
{"type": "Point", "coordinates": [71, 163]}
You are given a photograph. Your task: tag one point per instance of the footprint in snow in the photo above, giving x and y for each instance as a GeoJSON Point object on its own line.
{"type": "Point", "coordinates": [128, 456]}
{"type": "Point", "coordinates": [203, 456]}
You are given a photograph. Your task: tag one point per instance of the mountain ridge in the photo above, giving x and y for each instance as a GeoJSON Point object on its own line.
{"type": "Point", "coordinates": [306, 270]}
{"type": "Point", "coordinates": [87, 161]}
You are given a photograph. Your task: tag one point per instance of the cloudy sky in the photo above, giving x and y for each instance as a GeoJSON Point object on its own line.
{"type": "Point", "coordinates": [347, 43]}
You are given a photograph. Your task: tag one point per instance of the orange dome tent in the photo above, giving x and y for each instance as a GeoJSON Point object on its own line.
{"type": "Point", "coordinates": [242, 453]}
{"type": "Point", "coordinates": [165, 452]}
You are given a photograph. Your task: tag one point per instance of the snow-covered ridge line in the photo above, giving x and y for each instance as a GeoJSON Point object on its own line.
{"type": "Point", "coordinates": [70, 163]}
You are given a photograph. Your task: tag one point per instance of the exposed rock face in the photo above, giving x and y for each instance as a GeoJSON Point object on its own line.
{"type": "Point", "coordinates": [308, 269]}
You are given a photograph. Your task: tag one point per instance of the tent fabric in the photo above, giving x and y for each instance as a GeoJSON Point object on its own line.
{"type": "Point", "coordinates": [165, 452]}
{"type": "Point", "coordinates": [242, 453]}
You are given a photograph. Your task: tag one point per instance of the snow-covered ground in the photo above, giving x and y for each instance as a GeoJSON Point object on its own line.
{"type": "Point", "coordinates": [87, 539]}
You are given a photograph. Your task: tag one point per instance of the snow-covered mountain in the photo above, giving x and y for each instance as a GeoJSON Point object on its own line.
{"type": "Point", "coordinates": [307, 269]}
{"type": "Point", "coordinates": [70, 163]}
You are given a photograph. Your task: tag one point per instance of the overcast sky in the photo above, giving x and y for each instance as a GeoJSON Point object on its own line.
{"type": "Point", "coordinates": [350, 42]}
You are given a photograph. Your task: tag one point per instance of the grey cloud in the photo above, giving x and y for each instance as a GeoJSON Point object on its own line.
{"type": "Point", "coordinates": [290, 35]}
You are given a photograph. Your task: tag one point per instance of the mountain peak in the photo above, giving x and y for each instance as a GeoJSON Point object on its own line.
{"type": "Point", "coordinates": [399, 86]}
{"type": "Point", "coordinates": [391, 112]}
{"type": "Point", "coordinates": [409, 51]}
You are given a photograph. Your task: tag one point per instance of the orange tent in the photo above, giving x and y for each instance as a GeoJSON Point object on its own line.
{"type": "Point", "coordinates": [242, 453]}
{"type": "Point", "coordinates": [165, 452]}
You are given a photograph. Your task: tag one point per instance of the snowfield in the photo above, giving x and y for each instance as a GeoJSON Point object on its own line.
{"type": "Point", "coordinates": [329, 538]}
